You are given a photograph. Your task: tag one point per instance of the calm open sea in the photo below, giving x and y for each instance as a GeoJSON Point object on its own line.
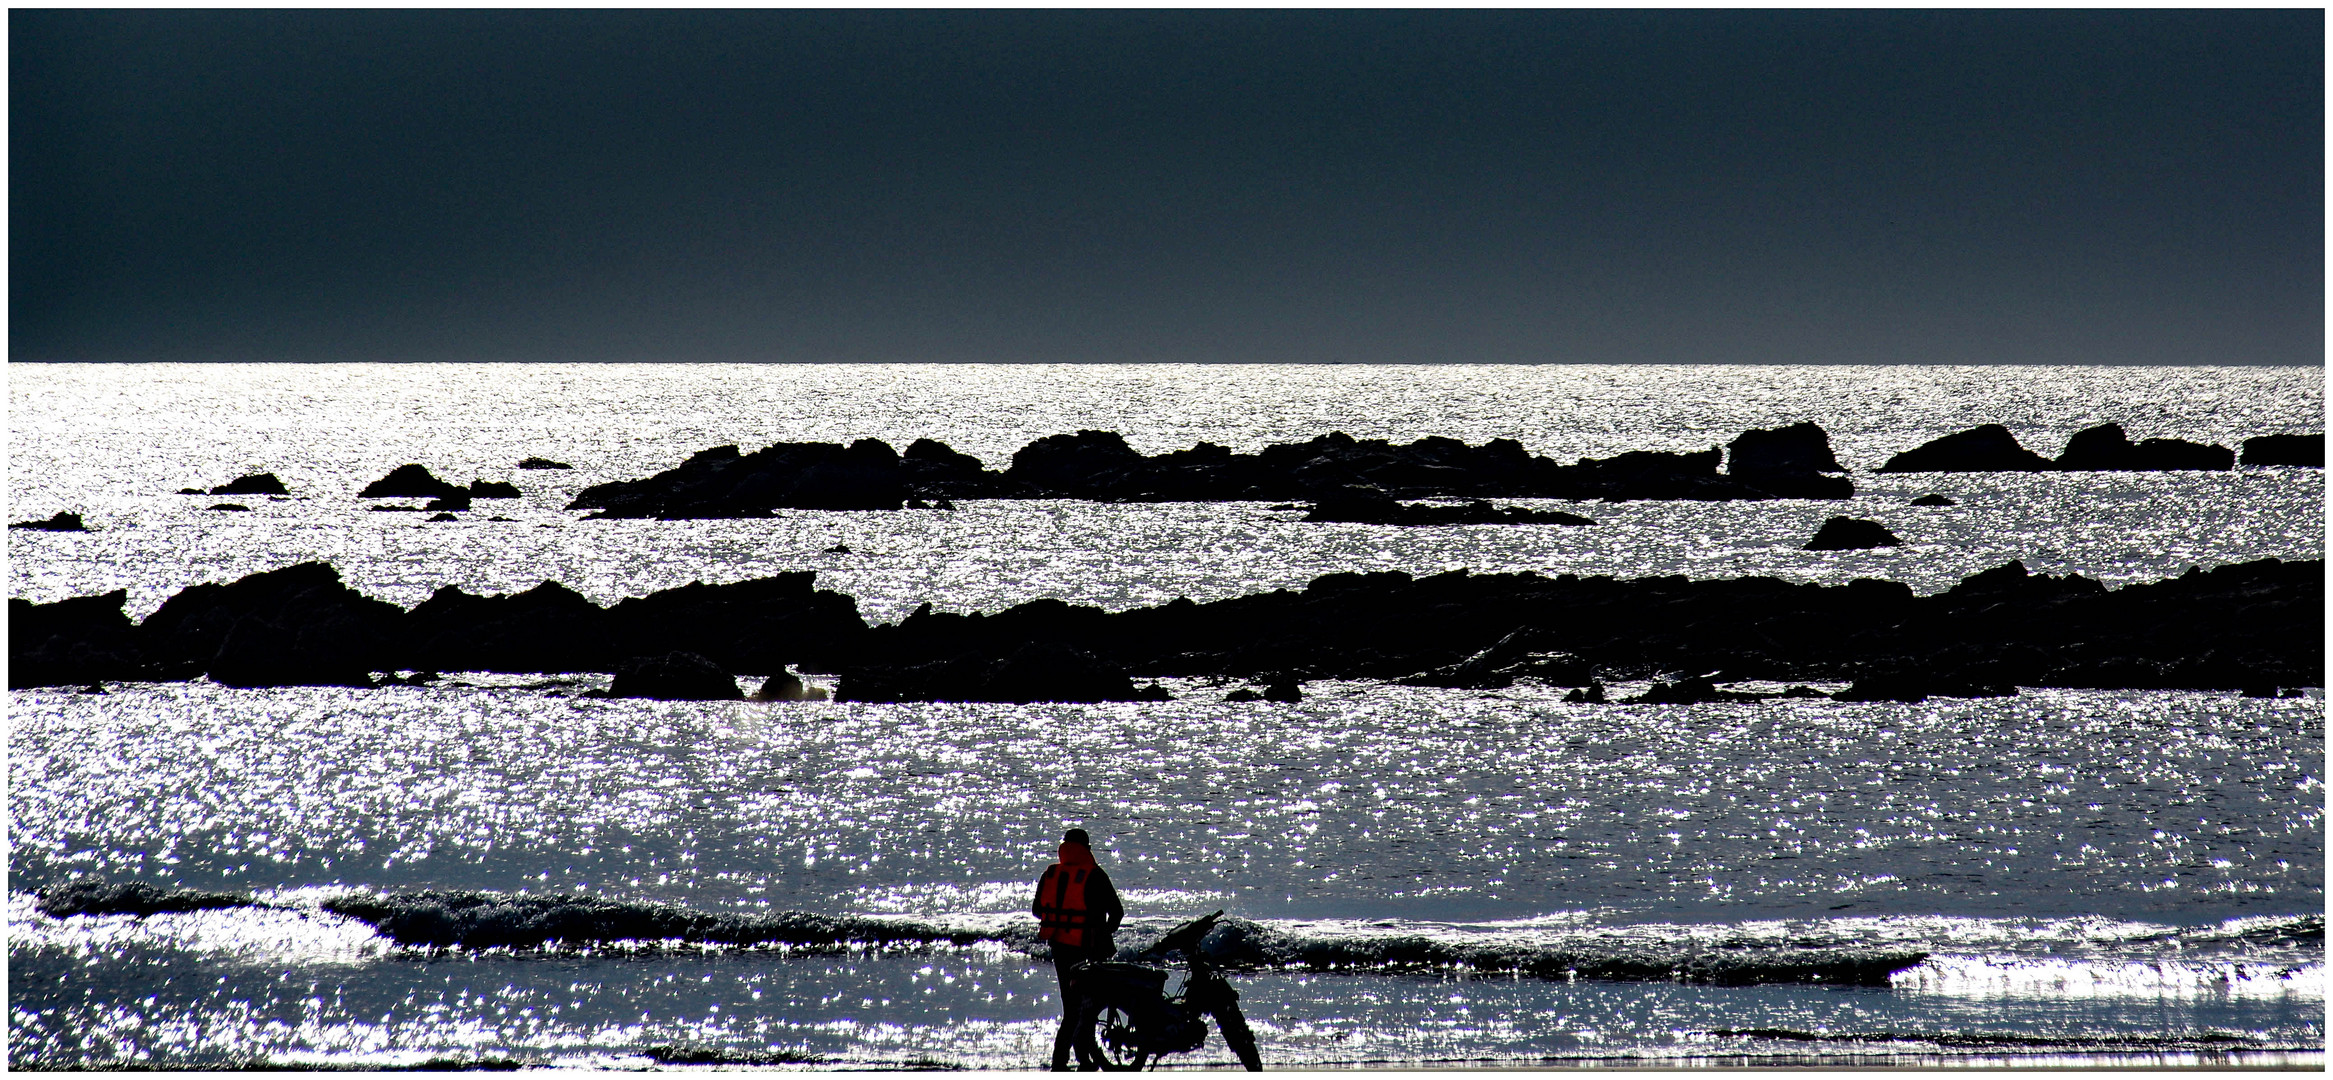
{"type": "Point", "coordinates": [2131, 877]}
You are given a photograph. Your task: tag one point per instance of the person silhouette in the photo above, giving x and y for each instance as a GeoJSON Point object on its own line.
{"type": "Point", "coordinates": [1077, 912]}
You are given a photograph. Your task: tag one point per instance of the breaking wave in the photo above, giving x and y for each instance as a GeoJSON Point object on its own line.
{"type": "Point", "coordinates": [1862, 952]}
{"type": "Point", "coordinates": [475, 921]}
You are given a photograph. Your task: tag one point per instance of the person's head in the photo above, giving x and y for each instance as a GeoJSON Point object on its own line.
{"type": "Point", "coordinates": [1076, 836]}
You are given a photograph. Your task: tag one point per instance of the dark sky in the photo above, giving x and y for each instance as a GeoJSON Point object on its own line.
{"type": "Point", "coordinates": [1655, 186]}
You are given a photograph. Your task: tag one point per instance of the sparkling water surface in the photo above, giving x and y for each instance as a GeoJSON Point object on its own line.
{"type": "Point", "coordinates": [2111, 875]}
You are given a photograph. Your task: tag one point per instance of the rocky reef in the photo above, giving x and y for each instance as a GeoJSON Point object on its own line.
{"type": "Point", "coordinates": [2102, 448]}
{"type": "Point", "coordinates": [1791, 462]}
{"type": "Point", "coordinates": [2243, 626]}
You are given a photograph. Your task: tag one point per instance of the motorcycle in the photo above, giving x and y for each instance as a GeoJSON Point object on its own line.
{"type": "Point", "coordinates": [1126, 1019]}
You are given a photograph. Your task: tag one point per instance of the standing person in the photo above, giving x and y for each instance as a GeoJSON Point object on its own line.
{"type": "Point", "coordinates": [1077, 910]}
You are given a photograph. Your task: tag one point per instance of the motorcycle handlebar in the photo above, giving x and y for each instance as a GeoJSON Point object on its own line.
{"type": "Point", "coordinates": [1187, 936]}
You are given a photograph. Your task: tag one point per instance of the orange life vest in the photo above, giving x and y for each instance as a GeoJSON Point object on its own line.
{"type": "Point", "coordinates": [1061, 911]}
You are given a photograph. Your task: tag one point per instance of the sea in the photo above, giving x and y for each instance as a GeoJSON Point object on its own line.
{"type": "Point", "coordinates": [2128, 878]}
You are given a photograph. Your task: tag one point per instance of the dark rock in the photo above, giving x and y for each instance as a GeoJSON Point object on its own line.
{"type": "Point", "coordinates": [2274, 692]}
{"type": "Point", "coordinates": [839, 549]}
{"type": "Point", "coordinates": [1370, 506]}
{"type": "Point", "coordinates": [720, 483]}
{"type": "Point", "coordinates": [1989, 448]}
{"type": "Point", "coordinates": [937, 473]}
{"type": "Point", "coordinates": [1933, 500]}
{"type": "Point", "coordinates": [1790, 462]}
{"type": "Point", "coordinates": [2105, 448]}
{"type": "Point", "coordinates": [230, 506]}
{"type": "Point", "coordinates": [460, 500]}
{"type": "Point", "coordinates": [674, 676]}
{"type": "Point", "coordinates": [254, 484]}
{"type": "Point", "coordinates": [1284, 691]}
{"type": "Point", "coordinates": [1152, 692]}
{"type": "Point", "coordinates": [1591, 694]}
{"type": "Point", "coordinates": [1851, 534]}
{"type": "Point", "coordinates": [763, 624]}
{"type": "Point", "coordinates": [410, 482]}
{"type": "Point", "coordinates": [1100, 465]}
{"type": "Point", "coordinates": [492, 489]}
{"type": "Point", "coordinates": [79, 639]}
{"type": "Point", "coordinates": [545, 629]}
{"type": "Point", "coordinates": [1803, 692]}
{"type": "Point", "coordinates": [295, 626]}
{"type": "Point", "coordinates": [443, 517]}
{"type": "Point", "coordinates": [192, 491]}
{"type": "Point", "coordinates": [2286, 450]}
{"type": "Point", "coordinates": [1090, 464]}
{"type": "Point", "coordinates": [62, 521]}
{"type": "Point", "coordinates": [395, 509]}
{"type": "Point", "coordinates": [1245, 693]}
{"type": "Point", "coordinates": [543, 463]}
{"type": "Point", "coordinates": [1037, 671]}
{"type": "Point", "coordinates": [785, 686]}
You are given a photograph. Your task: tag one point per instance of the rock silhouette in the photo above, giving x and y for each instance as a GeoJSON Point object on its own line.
{"type": "Point", "coordinates": [2285, 450]}
{"type": "Point", "coordinates": [1933, 499]}
{"type": "Point", "coordinates": [254, 484]}
{"type": "Point", "coordinates": [2246, 625]}
{"type": "Point", "coordinates": [80, 639]}
{"type": "Point", "coordinates": [543, 463]}
{"type": "Point", "coordinates": [721, 483]}
{"type": "Point", "coordinates": [410, 482]}
{"type": "Point", "coordinates": [1989, 448]}
{"type": "Point", "coordinates": [1099, 465]}
{"type": "Point", "coordinates": [296, 625]}
{"type": "Point", "coordinates": [2105, 448]}
{"type": "Point", "coordinates": [1793, 462]}
{"type": "Point", "coordinates": [1851, 534]}
{"type": "Point", "coordinates": [61, 521]}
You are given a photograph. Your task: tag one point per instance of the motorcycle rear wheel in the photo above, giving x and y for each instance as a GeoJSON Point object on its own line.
{"type": "Point", "coordinates": [1109, 1040]}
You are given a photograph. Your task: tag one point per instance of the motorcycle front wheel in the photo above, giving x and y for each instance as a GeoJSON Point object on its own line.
{"type": "Point", "coordinates": [1237, 1036]}
{"type": "Point", "coordinates": [1108, 1039]}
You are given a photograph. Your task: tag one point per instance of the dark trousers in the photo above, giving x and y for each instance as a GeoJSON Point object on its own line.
{"type": "Point", "coordinates": [1066, 957]}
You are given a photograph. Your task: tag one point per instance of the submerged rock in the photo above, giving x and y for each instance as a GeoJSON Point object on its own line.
{"type": "Point", "coordinates": [1037, 671]}
{"type": "Point", "coordinates": [1933, 500]}
{"type": "Point", "coordinates": [674, 676]}
{"type": "Point", "coordinates": [61, 521]}
{"type": "Point", "coordinates": [543, 463]}
{"type": "Point", "coordinates": [229, 507]}
{"type": "Point", "coordinates": [1851, 534]}
{"type": "Point", "coordinates": [1506, 661]}
{"type": "Point", "coordinates": [2307, 450]}
{"type": "Point", "coordinates": [492, 489]}
{"type": "Point", "coordinates": [1368, 506]}
{"type": "Point", "coordinates": [1989, 448]}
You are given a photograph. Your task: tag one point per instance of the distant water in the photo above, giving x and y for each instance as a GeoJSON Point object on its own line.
{"type": "Point", "coordinates": [2126, 877]}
